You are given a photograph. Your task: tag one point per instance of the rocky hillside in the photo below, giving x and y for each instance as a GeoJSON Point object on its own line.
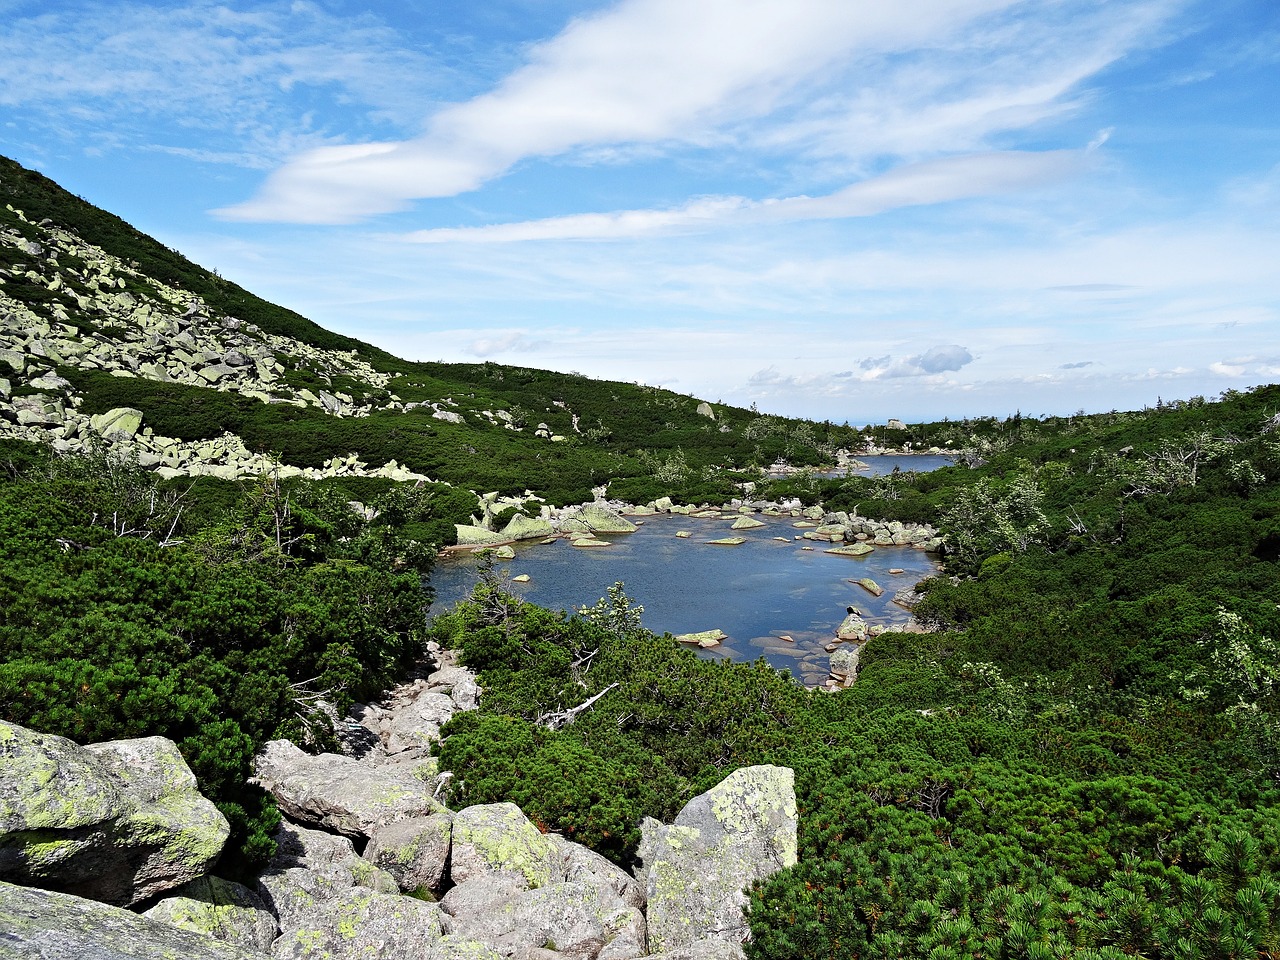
{"type": "Point", "coordinates": [109, 338]}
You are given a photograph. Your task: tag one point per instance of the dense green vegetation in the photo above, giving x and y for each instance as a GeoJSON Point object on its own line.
{"type": "Point", "coordinates": [1082, 760]}
{"type": "Point", "coordinates": [218, 615]}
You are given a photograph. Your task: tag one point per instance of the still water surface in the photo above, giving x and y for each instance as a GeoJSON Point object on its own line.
{"type": "Point", "coordinates": [755, 592]}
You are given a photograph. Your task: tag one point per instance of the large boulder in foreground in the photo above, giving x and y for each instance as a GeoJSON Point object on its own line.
{"type": "Point", "coordinates": [333, 905]}
{"type": "Point", "coordinates": [696, 871]}
{"type": "Point", "coordinates": [118, 822]}
{"type": "Point", "coordinates": [339, 793]}
{"type": "Point", "coordinates": [56, 926]}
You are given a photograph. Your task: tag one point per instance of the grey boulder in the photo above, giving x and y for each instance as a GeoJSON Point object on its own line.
{"type": "Point", "coordinates": [43, 925]}
{"type": "Point", "coordinates": [339, 793]}
{"type": "Point", "coordinates": [118, 822]}
{"type": "Point", "coordinates": [220, 909]}
{"type": "Point", "coordinates": [697, 870]}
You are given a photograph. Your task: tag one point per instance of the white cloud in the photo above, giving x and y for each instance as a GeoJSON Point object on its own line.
{"type": "Point", "coordinates": [757, 73]}
{"type": "Point", "coordinates": [512, 341]}
{"type": "Point", "coordinates": [248, 85]}
{"type": "Point", "coordinates": [936, 181]}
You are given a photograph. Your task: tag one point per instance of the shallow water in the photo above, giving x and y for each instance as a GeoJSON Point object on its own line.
{"type": "Point", "coordinates": [756, 592]}
{"type": "Point", "coordinates": [883, 463]}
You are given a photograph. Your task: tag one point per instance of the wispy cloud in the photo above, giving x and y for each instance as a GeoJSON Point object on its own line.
{"type": "Point", "coordinates": [744, 74]}
{"type": "Point", "coordinates": [936, 181]}
{"type": "Point", "coordinates": [512, 341]}
{"type": "Point", "coordinates": [256, 83]}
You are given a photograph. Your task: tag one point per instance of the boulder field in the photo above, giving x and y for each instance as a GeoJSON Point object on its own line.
{"type": "Point", "coordinates": [370, 862]}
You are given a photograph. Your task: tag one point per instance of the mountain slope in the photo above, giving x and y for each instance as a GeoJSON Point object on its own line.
{"type": "Point", "coordinates": [106, 334]}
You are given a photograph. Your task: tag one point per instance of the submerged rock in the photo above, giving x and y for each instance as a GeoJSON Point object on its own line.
{"type": "Point", "coordinates": [852, 550]}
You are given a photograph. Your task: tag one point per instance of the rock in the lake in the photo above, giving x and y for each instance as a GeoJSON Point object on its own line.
{"type": "Point", "coordinates": [118, 822]}
{"type": "Point", "coordinates": [851, 550]}
{"type": "Point", "coordinates": [473, 536]}
{"type": "Point", "coordinates": [704, 638]}
{"type": "Point", "coordinates": [521, 527]}
{"type": "Point", "coordinates": [853, 627]}
{"type": "Point", "coordinates": [870, 586]}
{"type": "Point", "coordinates": [594, 518]}
{"type": "Point", "coordinates": [697, 869]}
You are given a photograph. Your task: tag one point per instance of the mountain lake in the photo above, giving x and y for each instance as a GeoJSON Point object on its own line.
{"type": "Point", "coordinates": [769, 587]}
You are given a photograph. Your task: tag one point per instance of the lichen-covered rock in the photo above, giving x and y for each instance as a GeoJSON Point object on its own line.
{"type": "Point", "coordinates": [711, 949]}
{"type": "Point", "coordinates": [311, 866]}
{"type": "Point", "coordinates": [852, 550]}
{"type": "Point", "coordinates": [120, 422]}
{"type": "Point", "coordinates": [747, 523]}
{"type": "Point", "coordinates": [337, 792]}
{"type": "Point", "coordinates": [469, 535]}
{"type": "Point", "coordinates": [497, 838]}
{"type": "Point", "coordinates": [219, 909]}
{"type": "Point", "coordinates": [450, 947]}
{"type": "Point", "coordinates": [414, 851]}
{"type": "Point", "coordinates": [521, 527]}
{"type": "Point", "coordinates": [696, 870]}
{"type": "Point", "coordinates": [583, 864]}
{"type": "Point", "coordinates": [357, 923]}
{"type": "Point", "coordinates": [594, 518]}
{"type": "Point", "coordinates": [844, 662]}
{"type": "Point", "coordinates": [43, 925]}
{"type": "Point", "coordinates": [117, 822]}
{"type": "Point", "coordinates": [571, 919]}
{"type": "Point", "coordinates": [852, 627]}
{"type": "Point", "coordinates": [870, 586]}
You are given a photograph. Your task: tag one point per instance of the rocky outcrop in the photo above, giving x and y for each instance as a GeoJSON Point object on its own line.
{"type": "Point", "coordinates": [44, 925]}
{"type": "Point", "coordinates": [415, 852]}
{"type": "Point", "coordinates": [118, 822]}
{"type": "Point", "coordinates": [697, 869]}
{"type": "Point", "coordinates": [596, 518]}
{"type": "Point", "coordinates": [521, 527]}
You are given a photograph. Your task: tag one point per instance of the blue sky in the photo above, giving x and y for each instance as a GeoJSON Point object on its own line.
{"type": "Point", "coordinates": [845, 209]}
